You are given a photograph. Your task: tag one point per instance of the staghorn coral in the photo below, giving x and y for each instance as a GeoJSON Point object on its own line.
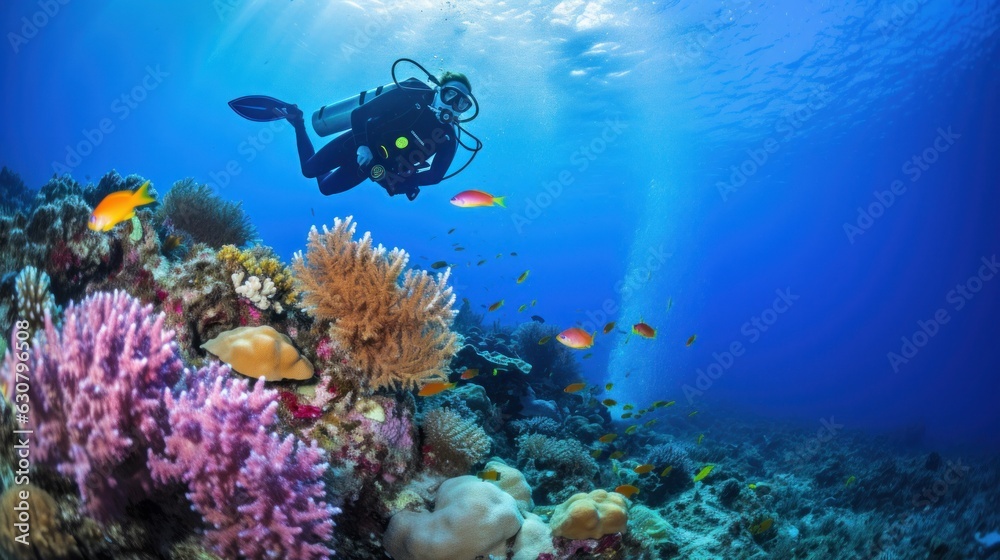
{"type": "Point", "coordinates": [536, 425]}
{"type": "Point", "coordinates": [453, 444]}
{"type": "Point", "coordinates": [209, 219]}
{"type": "Point", "coordinates": [33, 298]}
{"type": "Point", "coordinates": [261, 262]}
{"type": "Point", "coordinates": [261, 496]}
{"type": "Point", "coordinates": [97, 397]}
{"type": "Point", "coordinates": [43, 535]}
{"type": "Point", "coordinates": [396, 335]}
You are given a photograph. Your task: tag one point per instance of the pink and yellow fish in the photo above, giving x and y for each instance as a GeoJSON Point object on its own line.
{"type": "Point", "coordinates": [475, 199]}
{"type": "Point", "coordinates": [576, 338]}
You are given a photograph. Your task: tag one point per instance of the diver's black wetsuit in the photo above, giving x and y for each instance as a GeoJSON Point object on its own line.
{"type": "Point", "coordinates": [402, 133]}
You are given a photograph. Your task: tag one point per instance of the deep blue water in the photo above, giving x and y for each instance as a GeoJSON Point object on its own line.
{"type": "Point", "coordinates": [658, 119]}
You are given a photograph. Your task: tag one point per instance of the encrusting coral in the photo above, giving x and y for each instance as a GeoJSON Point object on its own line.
{"type": "Point", "coordinates": [453, 444]}
{"type": "Point", "coordinates": [42, 535]}
{"type": "Point", "coordinates": [397, 335]}
{"type": "Point", "coordinates": [260, 352]}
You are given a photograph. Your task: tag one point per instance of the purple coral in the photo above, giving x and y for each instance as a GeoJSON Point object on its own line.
{"type": "Point", "coordinates": [96, 396]}
{"type": "Point", "coordinates": [261, 496]}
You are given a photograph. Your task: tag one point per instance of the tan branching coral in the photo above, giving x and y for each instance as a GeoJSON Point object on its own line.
{"type": "Point", "coordinates": [398, 334]}
{"type": "Point", "coordinates": [455, 444]}
{"type": "Point", "coordinates": [47, 538]}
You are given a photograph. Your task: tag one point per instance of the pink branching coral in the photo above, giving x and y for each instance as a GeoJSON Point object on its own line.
{"type": "Point", "coordinates": [96, 393]}
{"type": "Point", "coordinates": [261, 496]}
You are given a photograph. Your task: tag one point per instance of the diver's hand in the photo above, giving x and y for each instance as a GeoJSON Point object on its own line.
{"type": "Point", "coordinates": [364, 156]}
{"type": "Point", "coordinates": [294, 115]}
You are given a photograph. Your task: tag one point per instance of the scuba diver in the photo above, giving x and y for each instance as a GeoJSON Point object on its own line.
{"type": "Point", "coordinates": [403, 135]}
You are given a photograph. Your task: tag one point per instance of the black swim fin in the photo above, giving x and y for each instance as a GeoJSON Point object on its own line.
{"type": "Point", "coordinates": [260, 108]}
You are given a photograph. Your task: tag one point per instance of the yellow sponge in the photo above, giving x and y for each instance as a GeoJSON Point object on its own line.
{"type": "Point", "coordinates": [260, 352]}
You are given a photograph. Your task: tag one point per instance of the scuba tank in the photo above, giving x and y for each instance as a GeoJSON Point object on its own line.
{"type": "Point", "coordinates": [336, 117]}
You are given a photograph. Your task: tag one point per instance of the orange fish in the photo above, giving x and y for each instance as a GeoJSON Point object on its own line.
{"type": "Point", "coordinates": [576, 338]}
{"type": "Point", "coordinates": [627, 490]}
{"type": "Point", "coordinates": [691, 340]}
{"type": "Point", "coordinates": [470, 373]}
{"type": "Point", "coordinates": [643, 330]}
{"type": "Point", "coordinates": [607, 438]}
{"type": "Point", "coordinates": [473, 199]}
{"type": "Point", "coordinates": [496, 306]}
{"type": "Point", "coordinates": [434, 388]}
{"type": "Point", "coordinates": [643, 469]}
{"type": "Point", "coordinates": [118, 207]}
{"type": "Point", "coordinates": [574, 387]}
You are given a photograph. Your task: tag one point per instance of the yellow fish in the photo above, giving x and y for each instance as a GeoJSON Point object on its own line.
{"type": "Point", "coordinates": [631, 429]}
{"type": "Point", "coordinates": [489, 475]}
{"type": "Point", "coordinates": [703, 472]}
{"type": "Point", "coordinates": [691, 340]}
{"type": "Point", "coordinates": [666, 471]}
{"type": "Point", "coordinates": [522, 277]}
{"type": "Point", "coordinates": [607, 438]}
{"type": "Point", "coordinates": [629, 407]}
{"type": "Point", "coordinates": [617, 455]}
{"type": "Point", "coordinates": [692, 414]}
{"type": "Point", "coordinates": [851, 480]}
{"type": "Point", "coordinates": [609, 327]}
{"type": "Point", "coordinates": [574, 387]}
{"type": "Point", "coordinates": [533, 302]}
{"type": "Point", "coordinates": [761, 527]}
{"type": "Point", "coordinates": [609, 386]}
{"type": "Point", "coordinates": [627, 490]}
{"type": "Point", "coordinates": [544, 339]}
{"type": "Point", "coordinates": [609, 402]}
{"type": "Point", "coordinates": [650, 422]}
{"type": "Point", "coordinates": [596, 454]}
{"type": "Point", "coordinates": [700, 437]}
{"type": "Point", "coordinates": [643, 469]}
{"type": "Point", "coordinates": [118, 207]}
{"type": "Point", "coordinates": [626, 416]}
{"type": "Point", "coordinates": [434, 388]}
{"type": "Point", "coordinates": [496, 306]}
{"type": "Point", "coordinates": [522, 308]}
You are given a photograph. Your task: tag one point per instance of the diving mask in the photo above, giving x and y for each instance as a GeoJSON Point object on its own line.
{"type": "Point", "coordinates": [456, 96]}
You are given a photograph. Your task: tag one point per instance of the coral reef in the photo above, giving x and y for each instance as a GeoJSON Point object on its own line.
{"type": "Point", "coordinates": [16, 196]}
{"type": "Point", "coordinates": [194, 209]}
{"type": "Point", "coordinates": [260, 352]}
{"type": "Point", "coordinates": [397, 335]}
{"type": "Point", "coordinates": [261, 496]}
{"type": "Point", "coordinates": [470, 519]}
{"type": "Point", "coordinates": [33, 298]}
{"type": "Point", "coordinates": [453, 444]}
{"type": "Point", "coordinates": [274, 285]}
{"type": "Point", "coordinates": [512, 482]}
{"type": "Point", "coordinates": [590, 516]}
{"type": "Point", "coordinates": [42, 534]}
{"type": "Point", "coordinates": [97, 392]}
{"type": "Point", "coordinates": [558, 467]}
